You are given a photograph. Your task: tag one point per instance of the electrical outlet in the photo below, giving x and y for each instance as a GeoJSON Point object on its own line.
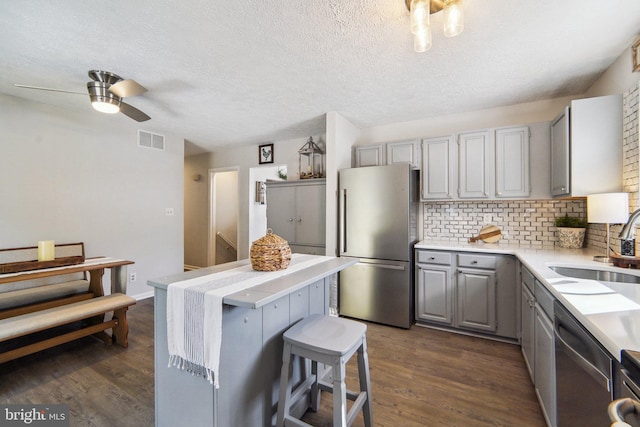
{"type": "Point", "coordinates": [132, 277]}
{"type": "Point", "coordinates": [486, 218]}
{"type": "Point", "coordinates": [169, 212]}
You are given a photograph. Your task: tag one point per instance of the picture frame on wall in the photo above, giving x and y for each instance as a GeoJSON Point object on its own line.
{"type": "Point", "coordinates": [635, 55]}
{"type": "Point", "coordinates": [265, 154]}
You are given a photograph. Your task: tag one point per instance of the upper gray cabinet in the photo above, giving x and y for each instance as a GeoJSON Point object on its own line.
{"type": "Point", "coordinates": [438, 168]}
{"type": "Point", "coordinates": [484, 164]}
{"type": "Point", "coordinates": [387, 154]}
{"type": "Point", "coordinates": [403, 152]}
{"type": "Point", "coordinates": [368, 155]}
{"type": "Point", "coordinates": [512, 162]}
{"type": "Point", "coordinates": [586, 147]}
{"type": "Point", "coordinates": [475, 165]}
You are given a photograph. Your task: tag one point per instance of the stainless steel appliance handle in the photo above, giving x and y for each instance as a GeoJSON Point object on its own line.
{"type": "Point", "coordinates": [385, 266]}
{"type": "Point", "coordinates": [343, 234]}
{"type": "Point", "coordinates": [581, 361]}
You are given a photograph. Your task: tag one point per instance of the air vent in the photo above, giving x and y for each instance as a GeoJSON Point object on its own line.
{"type": "Point", "coordinates": [150, 140]}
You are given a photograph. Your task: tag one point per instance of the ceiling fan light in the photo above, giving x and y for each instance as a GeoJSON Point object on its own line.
{"type": "Point", "coordinates": [101, 99]}
{"type": "Point", "coordinates": [419, 10]}
{"type": "Point", "coordinates": [453, 18]}
{"type": "Point", "coordinates": [109, 106]}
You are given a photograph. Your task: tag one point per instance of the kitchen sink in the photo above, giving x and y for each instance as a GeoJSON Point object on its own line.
{"type": "Point", "coordinates": [600, 275]}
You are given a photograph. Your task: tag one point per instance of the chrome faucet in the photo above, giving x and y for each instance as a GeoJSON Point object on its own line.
{"type": "Point", "coordinates": [627, 231]}
{"type": "Point", "coordinates": [627, 241]}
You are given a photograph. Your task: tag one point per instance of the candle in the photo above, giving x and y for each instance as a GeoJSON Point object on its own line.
{"type": "Point", "coordinates": [46, 250]}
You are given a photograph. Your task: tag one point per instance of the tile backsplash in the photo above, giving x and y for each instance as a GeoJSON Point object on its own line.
{"type": "Point", "coordinates": [526, 222]}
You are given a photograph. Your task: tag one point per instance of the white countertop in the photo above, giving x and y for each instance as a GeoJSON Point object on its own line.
{"type": "Point", "coordinates": [613, 318]}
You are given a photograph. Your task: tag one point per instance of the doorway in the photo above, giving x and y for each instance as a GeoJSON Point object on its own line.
{"type": "Point", "coordinates": [223, 216]}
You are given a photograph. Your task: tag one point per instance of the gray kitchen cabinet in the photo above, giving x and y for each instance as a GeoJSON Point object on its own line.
{"type": "Point", "coordinates": [476, 292]}
{"type": "Point", "coordinates": [475, 165]}
{"type": "Point", "coordinates": [537, 341]}
{"type": "Point", "coordinates": [403, 152]}
{"type": "Point", "coordinates": [512, 162]}
{"type": "Point", "coordinates": [467, 291]}
{"type": "Point", "coordinates": [368, 155]}
{"type": "Point", "coordinates": [528, 313]}
{"type": "Point", "coordinates": [438, 168]}
{"type": "Point", "coordinates": [296, 212]}
{"type": "Point", "coordinates": [544, 374]}
{"type": "Point", "coordinates": [434, 287]}
{"type": "Point", "coordinates": [586, 147]}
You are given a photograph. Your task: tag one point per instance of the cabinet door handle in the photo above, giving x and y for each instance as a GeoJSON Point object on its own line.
{"type": "Point", "coordinates": [299, 220]}
{"type": "Point", "coordinates": [474, 262]}
{"type": "Point", "coordinates": [432, 258]}
{"type": "Point", "coordinates": [290, 219]}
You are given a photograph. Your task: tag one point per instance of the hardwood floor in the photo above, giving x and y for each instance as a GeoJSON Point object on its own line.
{"type": "Point", "coordinates": [421, 377]}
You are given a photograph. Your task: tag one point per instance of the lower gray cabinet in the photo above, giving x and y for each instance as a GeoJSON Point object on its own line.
{"type": "Point", "coordinates": [477, 299]}
{"type": "Point", "coordinates": [528, 311]}
{"type": "Point", "coordinates": [435, 294]}
{"type": "Point", "coordinates": [469, 291]}
{"type": "Point", "coordinates": [537, 341]}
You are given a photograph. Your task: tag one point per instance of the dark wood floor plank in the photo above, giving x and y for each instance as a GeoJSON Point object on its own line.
{"type": "Point", "coordinates": [420, 377]}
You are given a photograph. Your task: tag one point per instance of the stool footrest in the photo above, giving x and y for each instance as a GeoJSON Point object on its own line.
{"type": "Point", "coordinates": [327, 386]}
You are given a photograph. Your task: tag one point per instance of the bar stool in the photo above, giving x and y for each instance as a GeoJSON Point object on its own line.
{"type": "Point", "coordinates": [332, 341]}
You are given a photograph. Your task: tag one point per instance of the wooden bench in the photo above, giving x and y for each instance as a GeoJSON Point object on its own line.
{"type": "Point", "coordinates": [42, 299]}
{"type": "Point", "coordinates": [90, 310]}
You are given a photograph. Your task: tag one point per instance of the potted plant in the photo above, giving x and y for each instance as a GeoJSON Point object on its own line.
{"type": "Point", "coordinates": [571, 231]}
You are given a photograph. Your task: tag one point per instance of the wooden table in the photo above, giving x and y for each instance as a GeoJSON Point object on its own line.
{"type": "Point", "coordinates": [94, 266]}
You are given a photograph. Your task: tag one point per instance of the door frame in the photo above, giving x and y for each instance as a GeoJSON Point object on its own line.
{"type": "Point", "coordinates": [211, 230]}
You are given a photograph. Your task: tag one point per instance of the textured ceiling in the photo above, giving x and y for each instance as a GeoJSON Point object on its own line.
{"type": "Point", "coordinates": [225, 73]}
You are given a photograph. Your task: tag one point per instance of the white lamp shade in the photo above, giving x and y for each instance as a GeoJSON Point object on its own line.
{"type": "Point", "coordinates": [608, 208]}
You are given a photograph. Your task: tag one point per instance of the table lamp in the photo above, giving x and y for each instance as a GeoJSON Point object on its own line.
{"type": "Point", "coordinates": [607, 208]}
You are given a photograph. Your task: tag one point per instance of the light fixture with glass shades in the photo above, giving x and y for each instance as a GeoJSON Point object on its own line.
{"type": "Point", "coordinates": [420, 22]}
{"type": "Point", "coordinates": [607, 208]}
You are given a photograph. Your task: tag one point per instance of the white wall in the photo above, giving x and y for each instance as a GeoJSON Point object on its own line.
{"type": "Point", "coordinates": [258, 212]}
{"type": "Point", "coordinates": [511, 115]}
{"type": "Point", "coordinates": [196, 210]}
{"type": "Point", "coordinates": [78, 176]}
{"type": "Point", "coordinates": [618, 78]}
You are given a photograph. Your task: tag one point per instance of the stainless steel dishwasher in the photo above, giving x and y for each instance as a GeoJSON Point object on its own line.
{"type": "Point", "coordinates": [583, 374]}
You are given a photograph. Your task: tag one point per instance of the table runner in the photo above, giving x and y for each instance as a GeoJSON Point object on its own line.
{"type": "Point", "coordinates": [194, 313]}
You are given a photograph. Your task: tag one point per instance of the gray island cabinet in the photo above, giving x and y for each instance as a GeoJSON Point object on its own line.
{"type": "Point", "coordinates": [253, 322]}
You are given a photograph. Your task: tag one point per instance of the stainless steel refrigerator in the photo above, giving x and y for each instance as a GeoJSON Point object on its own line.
{"type": "Point", "coordinates": [378, 225]}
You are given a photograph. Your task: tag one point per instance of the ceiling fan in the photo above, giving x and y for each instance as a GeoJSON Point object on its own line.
{"type": "Point", "coordinates": [106, 91]}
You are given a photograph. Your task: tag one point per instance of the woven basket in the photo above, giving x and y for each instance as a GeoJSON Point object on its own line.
{"type": "Point", "coordinates": [270, 253]}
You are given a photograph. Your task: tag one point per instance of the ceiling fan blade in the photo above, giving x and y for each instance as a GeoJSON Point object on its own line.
{"type": "Point", "coordinates": [49, 89]}
{"type": "Point", "coordinates": [125, 88]}
{"type": "Point", "coordinates": [133, 112]}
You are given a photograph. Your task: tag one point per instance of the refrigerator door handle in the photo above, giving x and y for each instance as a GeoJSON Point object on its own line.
{"type": "Point", "coordinates": [385, 266]}
{"type": "Point", "coordinates": [343, 228]}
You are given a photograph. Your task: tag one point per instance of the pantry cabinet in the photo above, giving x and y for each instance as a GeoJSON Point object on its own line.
{"type": "Point", "coordinates": [586, 147]}
{"type": "Point", "coordinates": [296, 212]}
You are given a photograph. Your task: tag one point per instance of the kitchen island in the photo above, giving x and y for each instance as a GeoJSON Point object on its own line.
{"type": "Point", "coordinates": [253, 321]}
